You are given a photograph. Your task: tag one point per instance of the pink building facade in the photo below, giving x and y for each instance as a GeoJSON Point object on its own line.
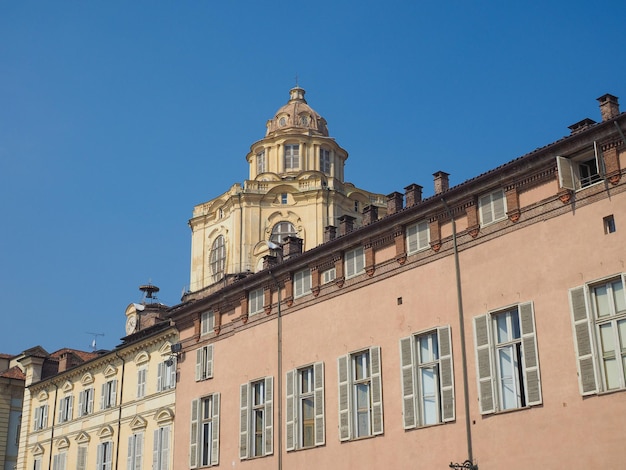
{"type": "Point", "coordinates": [485, 323]}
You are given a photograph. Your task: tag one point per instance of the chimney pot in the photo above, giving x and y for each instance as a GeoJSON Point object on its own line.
{"type": "Point", "coordinates": [370, 214]}
{"type": "Point", "coordinates": [442, 183]}
{"type": "Point", "coordinates": [346, 224]}
{"type": "Point", "coordinates": [330, 232]}
{"type": "Point", "coordinates": [413, 194]}
{"type": "Point", "coordinates": [394, 202]}
{"type": "Point", "coordinates": [292, 247]}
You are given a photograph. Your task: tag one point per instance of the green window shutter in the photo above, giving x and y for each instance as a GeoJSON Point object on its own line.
{"type": "Point", "coordinates": [215, 430]}
{"type": "Point", "coordinates": [318, 403]}
{"type": "Point", "coordinates": [566, 173]}
{"type": "Point", "coordinates": [269, 416]}
{"type": "Point", "coordinates": [194, 433]}
{"type": "Point", "coordinates": [290, 412]}
{"type": "Point", "coordinates": [377, 391]}
{"type": "Point", "coordinates": [585, 351]}
{"type": "Point", "coordinates": [482, 338]}
{"type": "Point", "coordinates": [199, 370]}
{"type": "Point", "coordinates": [243, 422]}
{"type": "Point", "coordinates": [530, 354]}
{"type": "Point", "coordinates": [345, 424]}
{"type": "Point", "coordinates": [446, 374]}
{"type": "Point", "coordinates": [407, 376]}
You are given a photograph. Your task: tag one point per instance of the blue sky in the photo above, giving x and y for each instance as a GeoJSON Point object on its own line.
{"type": "Point", "coordinates": [117, 117]}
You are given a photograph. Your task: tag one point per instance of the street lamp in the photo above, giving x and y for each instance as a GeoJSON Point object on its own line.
{"type": "Point", "coordinates": [467, 464]}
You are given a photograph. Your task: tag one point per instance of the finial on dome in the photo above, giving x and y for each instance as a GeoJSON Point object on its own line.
{"type": "Point", "coordinates": [297, 94]}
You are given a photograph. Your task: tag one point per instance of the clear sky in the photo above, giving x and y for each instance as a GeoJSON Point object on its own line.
{"type": "Point", "coordinates": [117, 117]}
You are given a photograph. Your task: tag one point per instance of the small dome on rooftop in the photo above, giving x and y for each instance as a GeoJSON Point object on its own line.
{"type": "Point", "coordinates": [297, 116]}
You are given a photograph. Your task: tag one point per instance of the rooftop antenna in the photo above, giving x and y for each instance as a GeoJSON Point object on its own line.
{"type": "Point", "coordinates": [95, 337]}
{"type": "Point", "coordinates": [148, 292]}
{"type": "Point", "coordinates": [296, 79]}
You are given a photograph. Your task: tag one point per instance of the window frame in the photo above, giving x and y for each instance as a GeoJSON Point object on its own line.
{"type": "Point", "coordinates": [41, 417]}
{"type": "Point", "coordinates": [569, 169]}
{"type": "Point", "coordinates": [104, 456]}
{"type": "Point", "coordinates": [295, 397]}
{"type": "Point", "coordinates": [207, 322]}
{"type": "Point", "coordinates": [204, 363]}
{"type": "Point", "coordinates": [493, 210]}
{"type": "Point", "coordinates": [325, 161]}
{"type": "Point", "coordinates": [161, 448]}
{"type": "Point", "coordinates": [217, 258]}
{"type": "Point", "coordinates": [260, 162]}
{"type": "Point", "coordinates": [301, 283]}
{"type": "Point", "coordinates": [66, 405]}
{"type": "Point", "coordinates": [354, 261]}
{"type": "Point", "coordinates": [255, 301]}
{"type": "Point", "coordinates": [279, 234]}
{"type": "Point", "coordinates": [329, 275]}
{"type": "Point", "coordinates": [199, 437]}
{"type": "Point", "coordinates": [291, 157]}
{"type": "Point", "coordinates": [166, 375]}
{"type": "Point", "coordinates": [247, 426]}
{"type": "Point", "coordinates": [417, 237]}
{"type": "Point", "coordinates": [142, 374]}
{"type": "Point", "coordinates": [134, 457]}
{"type": "Point", "coordinates": [59, 461]}
{"type": "Point", "coordinates": [108, 398]}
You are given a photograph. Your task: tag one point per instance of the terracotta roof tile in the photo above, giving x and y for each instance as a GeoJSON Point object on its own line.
{"type": "Point", "coordinates": [13, 373]}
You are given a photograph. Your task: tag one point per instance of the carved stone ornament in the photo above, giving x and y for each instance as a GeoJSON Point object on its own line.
{"type": "Point", "coordinates": [401, 259]}
{"type": "Point", "coordinates": [289, 301]}
{"type": "Point", "coordinates": [244, 318]}
{"type": "Point", "coordinates": [339, 281]}
{"type": "Point", "coordinates": [436, 246]}
{"type": "Point", "coordinates": [565, 195]}
{"type": "Point", "coordinates": [315, 291]}
{"type": "Point", "coordinates": [217, 329]}
{"type": "Point", "coordinates": [370, 271]}
{"type": "Point", "coordinates": [473, 230]}
{"type": "Point", "coordinates": [514, 215]}
{"type": "Point", "coordinates": [615, 177]}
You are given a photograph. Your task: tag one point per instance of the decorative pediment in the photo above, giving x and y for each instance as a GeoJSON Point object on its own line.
{"type": "Point", "coordinates": [142, 358]}
{"type": "Point", "coordinates": [109, 371]}
{"type": "Point", "coordinates": [83, 438]}
{"type": "Point", "coordinates": [164, 415]}
{"type": "Point", "coordinates": [37, 449]}
{"type": "Point", "coordinates": [63, 443]}
{"type": "Point", "coordinates": [87, 379]}
{"type": "Point", "coordinates": [105, 432]}
{"type": "Point", "coordinates": [165, 349]}
{"type": "Point", "coordinates": [138, 422]}
{"type": "Point", "coordinates": [43, 395]}
{"type": "Point", "coordinates": [67, 386]}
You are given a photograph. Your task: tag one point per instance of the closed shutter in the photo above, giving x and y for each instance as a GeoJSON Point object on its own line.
{"type": "Point", "coordinates": [194, 433]}
{"type": "Point", "coordinates": [61, 403]}
{"type": "Point", "coordinates": [199, 369]}
{"type": "Point", "coordinates": [70, 408]}
{"type": "Point", "coordinates": [423, 234]}
{"type": "Point", "coordinates": [160, 377]}
{"type": "Point", "coordinates": [484, 368]}
{"type": "Point", "coordinates": [599, 160]}
{"type": "Point", "coordinates": [446, 374]}
{"type": "Point", "coordinates": [377, 391]}
{"type": "Point", "coordinates": [215, 430]}
{"type": "Point", "coordinates": [360, 260]}
{"type": "Point", "coordinates": [81, 399]}
{"type": "Point", "coordinates": [155, 451]}
{"type": "Point", "coordinates": [582, 323]}
{"type": "Point", "coordinates": [412, 234]}
{"type": "Point", "coordinates": [81, 460]}
{"type": "Point", "coordinates": [114, 392]}
{"type": "Point", "coordinates": [44, 416]}
{"type": "Point", "coordinates": [344, 398]}
{"type": "Point", "coordinates": [486, 213]}
{"type": "Point", "coordinates": [318, 401]}
{"type": "Point", "coordinates": [499, 205]}
{"type": "Point", "coordinates": [138, 451]}
{"type": "Point", "coordinates": [243, 422]}
{"type": "Point", "coordinates": [90, 401]}
{"type": "Point", "coordinates": [37, 419]}
{"type": "Point", "coordinates": [269, 416]}
{"type": "Point", "coordinates": [208, 370]}
{"type": "Point", "coordinates": [165, 448]}
{"type": "Point", "coordinates": [108, 454]}
{"type": "Point", "coordinates": [290, 412]}
{"type": "Point", "coordinates": [407, 376]}
{"type": "Point", "coordinates": [172, 372]}
{"type": "Point", "coordinates": [566, 173]}
{"type": "Point", "coordinates": [530, 354]}
{"type": "Point", "coordinates": [129, 454]}
{"type": "Point", "coordinates": [100, 457]}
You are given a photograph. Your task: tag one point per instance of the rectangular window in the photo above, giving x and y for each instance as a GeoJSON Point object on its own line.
{"type": "Point", "coordinates": [207, 322]}
{"type": "Point", "coordinates": [41, 417]}
{"type": "Point", "coordinates": [305, 407]}
{"type": "Point", "coordinates": [255, 301]}
{"type": "Point", "coordinates": [205, 424]}
{"type": "Point", "coordinates": [109, 393]}
{"type": "Point", "coordinates": [427, 378]}
{"type": "Point", "coordinates": [360, 394]}
{"type": "Point", "coordinates": [141, 382]}
{"type": "Point", "coordinates": [417, 237]}
{"type": "Point", "coordinates": [283, 198]}
{"type": "Point", "coordinates": [59, 461]}
{"type": "Point", "coordinates": [135, 452]}
{"type": "Point", "coordinates": [161, 449]}
{"type": "Point", "coordinates": [292, 157]}
{"type": "Point", "coordinates": [580, 171]}
{"type": "Point", "coordinates": [260, 162]}
{"type": "Point", "coordinates": [37, 464]}
{"type": "Point", "coordinates": [599, 318]}
{"type": "Point", "coordinates": [65, 408]}
{"type": "Point", "coordinates": [204, 362]}
{"type": "Point", "coordinates": [507, 359]}
{"type": "Point", "coordinates": [81, 458]}
{"type": "Point", "coordinates": [329, 275]}
{"type": "Point", "coordinates": [85, 402]}
{"type": "Point", "coordinates": [609, 224]}
{"type": "Point", "coordinates": [302, 283]}
{"type": "Point", "coordinates": [256, 419]}
{"type": "Point", "coordinates": [325, 161]}
{"type": "Point", "coordinates": [355, 262]}
{"type": "Point", "coordinates": [492, 207]}
{"type": "Point", "coordinates": [166, 374]}
{"type": "Point", "coordinates": [104, 456]}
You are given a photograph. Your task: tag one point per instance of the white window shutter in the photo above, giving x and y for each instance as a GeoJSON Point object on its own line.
{"type": "Point", "coordinates": [290, 411]}
{"type": "Point", "coordinates": [208, 371]}
{"type": "Point", "coordinates": [446, 374]}
{"type": "Point", "coordinates": [61, 403]}
{"type": "Point", "coordinates": [91, 393]}
{"type": "Point", "coordinates": [412, 234]}
{"type": "Point", "coordinates": [102, 398]}
{"type": "Point", "coordinates": [499, 205]}
{"type": "Point", "coordinates": [360, 260]}
{"type": "Point", "coordinates": [165, 448]}
{"type": "Point", "coordinates": [407, 376]}
{"type": "Point", "coordinates": [530, 354]}
{"type": "Point", "coordinates": [44, 416]}
{"type": "Point", "coordinates": [81, 399]}
{"type": "Point", "coordinates": [129, 454]}
{"type": "Point", "coordinates": [484, 368]}
{"type": "Point", "coordinates": [269, 416]}
{"type": "Point", "coordinates": [486, 214]}
{"type": "Point", "coordinates": [172, 370]}
{"type": "Point", "coordinates": [100, 456]}
{"type": "Point", "coordinates": [345, 424]}
{"type": "Point", "coordinates": [199, 370]}
{"type": "Point", "coordinates": [565, 169]}
{"type": "Point", "coordinates": [318, 404]}
{"type": "Point", "coordinates": [599, 159]}
{"type": "Point", "coordinates": [377, 391]}
{"type": "Point", "coordinates": [155, 451]}
{"type": "Point", "coordinates": [243, 422]}
{"type": "Point", "coordinates": [81, 461]}
{"type": "Point", "coordinates": [70, 408]}
{"type": "Point", "coordinates": [113, 392]}
{"type": "Point", "coordinates": [108, 456]}
{"type": "Point", "coordinates": [160, 367]}
{"type": "Point", "coordinates": [215, 430]}
{"type": "Point", "coordinates": [583, 341]}
{"type": "Point", "coordinates": [138, 451]}
{"type": "Point", "coordinates": [194, 433]}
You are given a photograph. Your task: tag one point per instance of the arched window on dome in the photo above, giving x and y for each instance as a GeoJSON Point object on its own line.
{"type": "Point", "coordinates": [217, 259]}
{"type": "Point", "coordinates": [292, 157]}
{"type": "Point", "coordinates": [281, 231]}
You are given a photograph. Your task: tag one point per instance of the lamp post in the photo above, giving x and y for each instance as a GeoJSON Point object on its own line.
{"type": "Point", "coordinates": [467, 464]}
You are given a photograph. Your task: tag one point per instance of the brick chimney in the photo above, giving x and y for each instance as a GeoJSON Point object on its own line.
{"type": "Point", "coordinates": [581, 126]}
{"type": "Point", "coordinates": [413, 194]}
{"type": "Point", "coordinates": [609, 107]}
{"type": "Point", "coordinates": [292, 246]}
{"type": "Point", "coordinates": [269, 261]}
{"type": "Point", "coordinates": [346, 224]}
{"type": "Point", "coordinates": [442, 183]}
{"type": "Point", "coordinates": [370, 214]}
{"type": "Point", "coordinates": [330, 232]}
{"type": "Point", "coordinates": [394, 202]}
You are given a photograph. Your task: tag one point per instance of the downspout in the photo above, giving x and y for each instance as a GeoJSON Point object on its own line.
{"type": "Point", "coordinates": [119, 416]}
{"type": "Point", "coordinates": [54, 415]}
{"type": "Point", "coordinates": [280, 377]}
{"type": "Point", "coordinates": [240, 234]}
{"type": "Point", "coordinates": [468, 428]}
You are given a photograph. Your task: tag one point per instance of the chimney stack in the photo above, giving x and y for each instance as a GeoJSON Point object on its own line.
{"type": "Point", "coordinates": [330, 232]}
{"type": "Point", "coordinates": [413, 194]}
{"type": "Point", "coordinates": [346, 224]}
{"type": "Point", "coordinates": [394, 202]}
{"type": "Point", "coordinates": [442, 183]}
{"type": "Point", "coordinates": [370, 214]}
{"type": "Point", "coordinates": [609, 107]}
{"type": "Point", "coordinates": [292, 247]}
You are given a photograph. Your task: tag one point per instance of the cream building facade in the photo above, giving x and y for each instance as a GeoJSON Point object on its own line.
{"type": "Point", "coordinates": [105, 410]}
{"type": "Point", "coordinates": [296, 187]}
{"type": "Point", "coordinates": [11, 400]}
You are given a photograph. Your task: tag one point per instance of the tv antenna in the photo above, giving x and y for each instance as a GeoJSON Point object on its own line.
{"type": "Point", "coordinates": [95, 337]}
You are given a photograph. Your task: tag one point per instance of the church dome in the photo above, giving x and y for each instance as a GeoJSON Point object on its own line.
{"type": "Point", "coordinates": [297, 116]}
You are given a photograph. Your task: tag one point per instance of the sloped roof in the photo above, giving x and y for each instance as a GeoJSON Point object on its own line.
{"type": "Point", "coordinates": [13, 373]}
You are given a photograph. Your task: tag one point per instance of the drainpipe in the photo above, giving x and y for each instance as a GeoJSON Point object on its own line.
{"type": "Point", "coordinates": [280, 378]}
{"type": "Point", "coordinates": [468, 428]}
{"type": "Point", "coordinates": [119, 416]}
{"type": "Point", "coordinates": [54, 415]}
{"type": "Point", "coordinates": [240, 234]}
